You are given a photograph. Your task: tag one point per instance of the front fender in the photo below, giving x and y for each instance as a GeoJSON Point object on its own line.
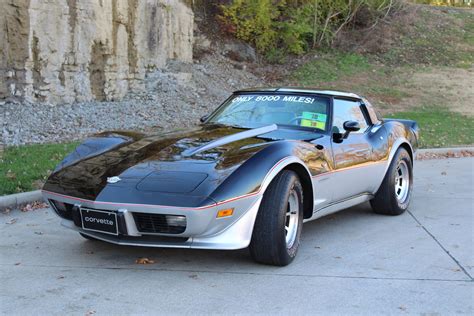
{"type": "Point", "coordinates": [96, 145]}
{"type": "Point", "coordinates": [254, 176]}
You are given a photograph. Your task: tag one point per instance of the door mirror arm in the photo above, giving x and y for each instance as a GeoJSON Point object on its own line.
{"type": "Point", "coordinates": [204, 118]}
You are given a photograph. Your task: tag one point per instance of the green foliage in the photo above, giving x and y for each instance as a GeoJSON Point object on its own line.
{"type": "Point", "coordinates": [440, 127]}
{"type": "Point", "coordinates": [330, 67]}
{"type": "Point", "coordinates": [276, 56]}
{"type": "Point", "coordinates": [252, 21]}
{"type": "Point", "coordinates": [294, 26]}
{"type": "Point", "coordinates": [24, 168]}
{"type": "Point", "coordinates": [296, 31]}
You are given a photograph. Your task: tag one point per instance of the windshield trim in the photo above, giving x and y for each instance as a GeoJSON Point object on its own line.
{"type": "Point", "coordinates": [323, 96]}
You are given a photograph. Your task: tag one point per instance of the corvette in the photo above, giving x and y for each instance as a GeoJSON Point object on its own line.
{"type": "Point", "coordinates": [249, 175]}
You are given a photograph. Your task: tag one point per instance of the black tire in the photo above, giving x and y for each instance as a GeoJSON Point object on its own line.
{"type": "Point", "coordinates": [88, 237]}
{"type": "Point", "coordinates": [269, 245]}
{"type": "Point", "coordinates": [387, 201]}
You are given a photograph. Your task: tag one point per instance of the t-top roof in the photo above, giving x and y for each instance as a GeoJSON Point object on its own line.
{"type": "Point", "coordinates": [303, 90]}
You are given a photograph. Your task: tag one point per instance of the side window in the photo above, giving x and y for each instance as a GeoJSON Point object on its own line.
{"type": "Point", "coordinates": [345, 110]}
{"type": "Point", "coordinates": [373, 115]}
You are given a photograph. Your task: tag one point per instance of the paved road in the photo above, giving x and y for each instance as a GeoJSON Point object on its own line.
{"type": "Point", "coordinates": [354, 262]}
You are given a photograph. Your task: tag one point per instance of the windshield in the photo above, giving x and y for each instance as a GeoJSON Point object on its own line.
{"type": "Point", "coordinates": [256, 110]}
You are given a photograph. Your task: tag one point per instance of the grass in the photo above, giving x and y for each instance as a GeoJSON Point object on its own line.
{"type": "Point", "coordinates": [330, 67]}
{"type": "Point", "coordinates": [435, 38]}
{"type": "Point", "coordinates": [440, 127]}
{"type": "Point", "coordinates": [24, 168]}
{"type": "Point", "coordinates": [389, 91]}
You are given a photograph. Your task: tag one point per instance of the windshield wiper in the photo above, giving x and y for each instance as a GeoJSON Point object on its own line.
{"type": "Point", "coordinates": [229, 125]}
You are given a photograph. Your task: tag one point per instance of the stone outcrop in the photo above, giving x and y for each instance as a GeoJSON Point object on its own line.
{"type": "Point", "coordinates": [62, 51]}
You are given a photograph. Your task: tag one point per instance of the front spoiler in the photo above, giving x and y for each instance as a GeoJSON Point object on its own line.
{"type": "Point", "coordinates": [236, 235]}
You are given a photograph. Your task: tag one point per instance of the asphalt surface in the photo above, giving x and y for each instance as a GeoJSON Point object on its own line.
{"type": "Point", "coordinates": [353, 262]}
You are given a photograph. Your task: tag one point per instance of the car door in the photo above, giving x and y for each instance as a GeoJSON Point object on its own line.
{"type": "Point", "coordinates": [319, 165]}
{"type": "Point", "coordinates": [352, 155]}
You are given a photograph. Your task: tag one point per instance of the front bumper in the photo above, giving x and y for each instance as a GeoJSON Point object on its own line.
{"type": "Point", "coordinates": [203, 229]}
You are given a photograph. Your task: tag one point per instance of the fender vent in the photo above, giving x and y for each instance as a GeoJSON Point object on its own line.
{"type": "Point", "coordinates": [160, 223]}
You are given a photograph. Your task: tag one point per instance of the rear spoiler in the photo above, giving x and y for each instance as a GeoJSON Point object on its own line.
{"type": "Point", "coordinates": [411, 126]}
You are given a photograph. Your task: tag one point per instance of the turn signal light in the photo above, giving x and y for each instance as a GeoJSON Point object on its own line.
{"type": "Point", "coordinates": [225, 213]}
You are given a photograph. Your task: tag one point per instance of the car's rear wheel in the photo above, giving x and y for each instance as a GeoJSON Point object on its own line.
{"type": "Point", "coordinates": [277, 231]}
{"type": "Point", "coordinates": [393, 196]}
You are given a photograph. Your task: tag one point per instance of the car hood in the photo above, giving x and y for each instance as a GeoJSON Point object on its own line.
{"type": "Point", "coordinates": [174, 169]}
{"type": "Point", "coordinates": [157, 169]}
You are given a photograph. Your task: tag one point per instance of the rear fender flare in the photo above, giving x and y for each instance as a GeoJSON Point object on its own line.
{"type": "Point", "coordinates": [396, 145]}
{"type": "Point", "coordinates": [400, 142]}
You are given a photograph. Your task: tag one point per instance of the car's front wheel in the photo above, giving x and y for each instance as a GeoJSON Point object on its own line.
{"type": "Point", "coordinates": [277, 230]}
{"type": "Point", "coordinates": [393, 196]}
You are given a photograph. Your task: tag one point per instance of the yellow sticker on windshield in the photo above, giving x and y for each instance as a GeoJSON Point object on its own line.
{"type": "Point", "coordinates": [315, 120]}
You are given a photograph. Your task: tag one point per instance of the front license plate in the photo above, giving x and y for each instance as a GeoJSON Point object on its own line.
{"type": "Point", "coordinates": [99, 221]}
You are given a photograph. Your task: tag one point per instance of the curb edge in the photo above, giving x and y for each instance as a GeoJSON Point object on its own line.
{"type": "Point", "coordinates": [18, 199]}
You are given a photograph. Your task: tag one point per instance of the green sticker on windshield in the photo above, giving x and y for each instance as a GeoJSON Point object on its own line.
{"type": "Point", "coordinates": [315, 120]}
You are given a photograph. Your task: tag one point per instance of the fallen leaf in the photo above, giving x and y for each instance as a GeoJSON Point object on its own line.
{"type": "Point", "coordinates": [449, 154]}
{"type": "Point", "coordinates": [144, 261]}
{"type": "Point", "coordinates": [18, 263]}
{"type": "Point", "coordinates": [90, 312]}
{"type": "Point", "coordinates": [60, 277]}
{"type": "Point", "coordinates": [193, 276]}
{"type": "Point", "coordinates": [443, 173]}
{"type": "Point", "coordinates": [33, 206]}
{"type": "Point", "coordinates": [39, 233]}
{"type": "Point", "coordinates": [12, 221]}
{"type": "Point", "coordinates": [26, 208]}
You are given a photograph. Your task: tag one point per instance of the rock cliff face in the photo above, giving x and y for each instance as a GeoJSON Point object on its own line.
{"type": "Point", "coordinates": [63, 51]}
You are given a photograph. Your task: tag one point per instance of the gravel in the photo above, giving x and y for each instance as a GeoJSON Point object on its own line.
{"type": "Point", "coordinates": [176, 96]}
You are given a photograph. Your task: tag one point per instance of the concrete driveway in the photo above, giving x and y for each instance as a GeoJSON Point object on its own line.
{"type": "Point", "coordinates": [354, 262]}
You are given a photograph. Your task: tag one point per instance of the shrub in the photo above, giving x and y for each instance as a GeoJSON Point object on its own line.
{"type": "Point", "coordinates": [294, 26]}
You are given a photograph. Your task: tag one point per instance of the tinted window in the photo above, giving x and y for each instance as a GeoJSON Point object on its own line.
{"type": "Point", "coordinates": [345, 110]}
{"type": "Point", "coordinates": [373, 114]}
{"type": "Point", "coordinates": [257, 110]}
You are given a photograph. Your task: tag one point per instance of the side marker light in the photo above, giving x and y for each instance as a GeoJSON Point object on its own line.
{"type": "Point", "coordinates": [225, 213]}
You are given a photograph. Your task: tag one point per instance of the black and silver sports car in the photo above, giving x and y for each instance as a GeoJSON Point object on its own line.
{"type": "Point", "coordinates": [259, 166]}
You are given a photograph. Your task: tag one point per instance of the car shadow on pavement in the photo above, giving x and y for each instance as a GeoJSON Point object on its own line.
{"type": "Point", "coordinates": [328, 228]}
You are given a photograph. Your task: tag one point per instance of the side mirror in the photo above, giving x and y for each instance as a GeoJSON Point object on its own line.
{"type": "Point", "coordinates": [204, 118]}
{"type": "Point", "coordinates": [349, 126]}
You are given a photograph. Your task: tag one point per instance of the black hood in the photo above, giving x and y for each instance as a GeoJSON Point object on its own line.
{"type": "Point", "coordinates": [157, 169]}
{"type": "Point", "coordinates": [155, 165]}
